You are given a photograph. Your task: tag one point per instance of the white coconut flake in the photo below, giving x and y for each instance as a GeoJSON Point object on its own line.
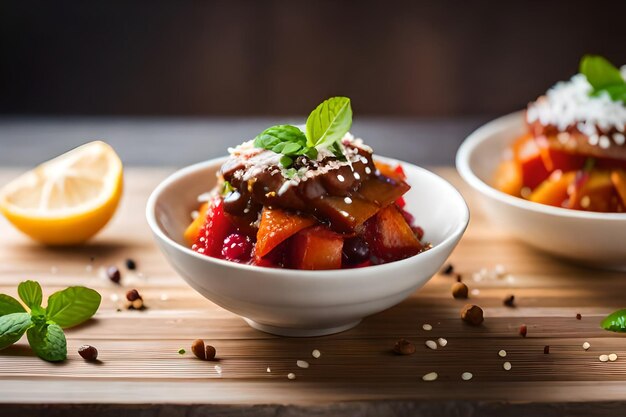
{"type": "Point", "coordinates": [466, 376]}
{"type": "Point", "coordinates": [218, 369]}
{"type": "Point", "coordinates": [431, 344]}
{"type": "Point", "coordinates": [268, 370]}
{"type": "Point", "coordinates": [431, 376]}
{"type": "Point", "coordinates": [442, 342]}
{"type": "Point", "coordinates": [569, 103]}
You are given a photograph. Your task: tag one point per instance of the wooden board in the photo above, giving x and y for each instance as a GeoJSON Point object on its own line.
{"type": "Point", "coordinates": [140, 365]}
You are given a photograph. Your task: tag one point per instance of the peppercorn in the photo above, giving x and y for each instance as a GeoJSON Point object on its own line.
{"type": "Point", "coordinates": [459, 290]}
{"type": "Point", "coordinates": [131, 265]}
{"type": "Point", "coordinates": [404, 347]}
{"type": "Point", "coordinates": [114, 274]}
{"type": "Point", "coordinates": [88, 352]}
{"type": "Point", "coordinates": [448, 269]}
{"type": "Point", "coordinates": [510, 301]}
{"type": "Point", "coordinates": [472, 314]}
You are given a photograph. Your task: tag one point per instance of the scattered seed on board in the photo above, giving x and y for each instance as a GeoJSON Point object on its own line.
{"type": "Point", "coordinates": [475, 291]}
{"type": "Point", "coordinates": [586, 345]}
{"type": "Point", "coordinates": [427, 327]}
{"type": "Point", "coordinates": [302, 364]}
{"type": "Point", "coordinates": [604, 358]}
{"type": "Point", "coordinates": [466, 376]}
{"type": "Point", "coordinates": [268, 370]}
{"type": "Point", "coordinates": [431, 344]}
{"type": "Point", "coordinates": [448, 269]}
{"type": "Point", "coordinates": [506, 366]}
{"type": "Point", "coordinates": [316, 353]}
{"type": "Point", "coordinates": [291, 375]}
{"type": "Point", "coordinates": [523, 330]}
{"type": "Point", "coordinates": [442, 341]}
{"type": "Point", "coordinates": [114, 274]}
{"type": "Point", "coordinates": [579, 316]}
{"type": "Point", "coordinates": [218, 369]}
{"type": "Point", "coordinates": [502, 353]}
{"type": "Point", "coordinates": [430, 376]}
{"type": "Point", "coordinates": [613, 357]}
{"type": "Point", "coordinates": [510, 301]}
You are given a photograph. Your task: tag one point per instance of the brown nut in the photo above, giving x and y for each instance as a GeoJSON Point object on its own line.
{"type": "Point", "coordinates": [459, 290]}
{"type": "Point", "coordinates": [88, 352]}
{"type": "Point", "coordinates": [132, 295]}
{"type": "Point", "coordinates": [210, 352]}
{"type": "Point", "coordinates": [472, 314]}
{"type": "Point", "coordinates": [197, 347]}
{"type": "Point", "coordinates": [510, 301]}
{"type": "Point", "coordinates": [404, 347]}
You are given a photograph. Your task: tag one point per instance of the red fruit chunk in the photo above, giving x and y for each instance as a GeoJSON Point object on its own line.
{"type": "Point", "coordinates": [237, 248]}
{"type": "Point", "coordinates": [400, 202]}
{"type": "Point", "coordinates": [529, 160]}
{"type": "Point", "coordinates": [212, 234]}
{"type": "Point", "coordinates": [276, 226]}
{"type": "Point", "coordinates": [316, 248]}
{"type": "Point", "coordinates": [389, 236]}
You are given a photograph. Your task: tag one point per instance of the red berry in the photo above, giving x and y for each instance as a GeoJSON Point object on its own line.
{"type": "Point", "coordinates": [400, 202]}
{"type": "Point", "coordinates": [237, 248]}
{"type": "Point", "coordinates": [215, 229]}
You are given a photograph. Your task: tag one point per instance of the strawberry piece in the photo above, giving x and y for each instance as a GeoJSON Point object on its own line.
{"type": "Point", "coordinates": [390, 237]}
{"type": "Point", "coordinates": [316, 248]}
{"type": "Point", "coordinates": [528, 158]}
{"type": "Point", "coordinates": [210, 240]}
{"type": "Point", "coordinates": [237, 248]}
{"type": "Point", "coordinates": [277, 226]}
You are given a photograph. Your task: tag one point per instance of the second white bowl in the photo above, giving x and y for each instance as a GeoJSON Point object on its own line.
{"type": "Point", "coordinates": [591, 238]}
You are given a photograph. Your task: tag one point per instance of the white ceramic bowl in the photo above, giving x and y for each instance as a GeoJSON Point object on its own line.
{"type": "Point", "coordinates": [595, 239]}
{"type": "Point", "coordinates": [305, 303]}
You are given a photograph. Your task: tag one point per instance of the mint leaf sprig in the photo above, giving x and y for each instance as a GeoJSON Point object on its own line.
{"type": "Point", "coordinates": [325, 127]}
{"type": "Point", "coordinates": [615, 322]}
{"type": "Point", "coordinates": [44, 326]}
{"type": "Point", "coordinates": [603, 77]}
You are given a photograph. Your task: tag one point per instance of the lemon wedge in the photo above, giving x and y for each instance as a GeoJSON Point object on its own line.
{"type": "Point", "coordinates": [68, 199]}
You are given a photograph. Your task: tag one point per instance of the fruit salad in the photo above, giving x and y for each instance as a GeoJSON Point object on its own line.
{"type": "Point", "coordinates": [307, 198]}
{"type": "Point", "coordinates": [573, 154]}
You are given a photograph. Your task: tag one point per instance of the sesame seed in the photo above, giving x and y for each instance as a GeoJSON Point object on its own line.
{"type": "Point", "coordinates": [316, 354]}
{"type": "Point", "coordinates": [466, 376]}
{"type": "Point", "coordinates": [340, 178]}
{"type": "Point", "coordinates": [431, 344]}
{"type": "Point", "coordinates": [357, 176]}
{"type": "Point", "coordinates": [368, 170]}
{"type": "Point", "coordinates": [502, 353]}
{"type": "Point", "coordinates": [427, 327]}
{"type": "Point", "coordinates": [603, 358]}
{"type": "Point", "coordinates": [347, 200]}
{"type": "Point", "coordinates": [475, 291]}
{"type": "Point", "coordinates": [218, 369]}
{"type": "Point", "coordinates": [613, 357]}
{"type": "Point", "coordinates": [114, 297]}
{"type": "Point", "coordinates": [442, 341]}
{"type": "Point", "coordinates": [302, 364]}
{"type": "Point", "coordinates": [586, 345]}
{"type": "Point", "coordinates": [268, 370]}
{"type": "Point", "coordinates": [605, 142]}
{"type": "Point", "coordinates": [430, 376]}
{"type": "Point", "coordinates": [291, 375]}
{"type": "Point", "coordinates": [506, 366]}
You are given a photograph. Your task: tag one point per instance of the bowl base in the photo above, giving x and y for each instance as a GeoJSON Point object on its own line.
{"type": "Point", "coordinates": [300, 332]}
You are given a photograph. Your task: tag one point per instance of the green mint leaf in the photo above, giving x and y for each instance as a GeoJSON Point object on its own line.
{"type": "Point", "coordinates": [290, 173]}
{"type": "Point", "coordinates": [10, 305]}
{"type": "Point", "coordinates": [275, 135]}
{"type": "Point", "coordinates": [292, 149]}
{"type": "Point", "coordinates": [311, 153]}
{"type": "Point", "coordinates": [329, 122]}
{"type": "Point", "coordinates": [616, 92]}
{"type": "Point", "coordinates": [227, 188]}
{"type": "Point", "coordinates": [30, 292]}
{"type": "Point", "coordinates": [603, 77]}
{"type": "Point", "coordinates": [12, 327]}
{"type": "Point", "coordinates": [48, 342]}
{"type": "Point", "coordinates": [615, 322]}
{"type": "Point", "coordinates": [286, 161]}
{"type": "Point", "coordinates": [72, 306]}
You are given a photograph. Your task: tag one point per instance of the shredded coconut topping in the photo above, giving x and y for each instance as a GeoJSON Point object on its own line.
{"type": "Point", "coordinates": [569, 104]}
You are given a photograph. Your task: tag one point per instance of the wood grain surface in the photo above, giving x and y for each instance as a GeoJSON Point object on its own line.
{"type": "Point", "coordinates": [141, 372]}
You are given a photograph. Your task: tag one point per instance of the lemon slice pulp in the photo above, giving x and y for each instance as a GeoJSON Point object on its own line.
{"type": "Point", "coordinates": [68, 199]}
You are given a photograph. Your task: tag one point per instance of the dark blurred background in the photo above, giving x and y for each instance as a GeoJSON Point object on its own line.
{"type": "Point", "coordinates": [175, 82]}
{"type": "Point", "coordinates": [281, 57]}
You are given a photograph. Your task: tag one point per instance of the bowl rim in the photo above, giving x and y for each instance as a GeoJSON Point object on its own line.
{"type": "Point", "coordinates": [484, 133]}
{"type": "Point", "coordinates": [452, 238]}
